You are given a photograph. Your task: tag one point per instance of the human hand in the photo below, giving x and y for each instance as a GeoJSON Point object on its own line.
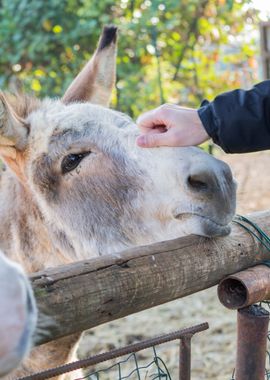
{"type": "Point", "coordinates": [170, 125]}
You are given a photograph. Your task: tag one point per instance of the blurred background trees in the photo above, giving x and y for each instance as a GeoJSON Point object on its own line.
{"type": "Point", "coordinates": [178, 51]}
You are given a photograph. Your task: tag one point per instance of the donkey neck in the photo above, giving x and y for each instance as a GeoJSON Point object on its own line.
{"type": "Point", "coordinates": [25, 234]}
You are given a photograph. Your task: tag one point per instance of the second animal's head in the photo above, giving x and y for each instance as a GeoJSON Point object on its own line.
{"type": "Point", "coordinates": [18, 315]}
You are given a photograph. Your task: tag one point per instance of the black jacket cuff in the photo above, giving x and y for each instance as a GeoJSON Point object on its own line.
{"type": "Point", "coordinates": [239, 120]}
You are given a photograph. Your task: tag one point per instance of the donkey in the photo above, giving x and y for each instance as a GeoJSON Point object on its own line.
{"type": "Point", "coordinates": [76, 185]}
{"type": "Point", "coordinates": [18, 315]}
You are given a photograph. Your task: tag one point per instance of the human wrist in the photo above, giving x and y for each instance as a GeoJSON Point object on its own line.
{"type": "Point", "coordinates": [205, 116]}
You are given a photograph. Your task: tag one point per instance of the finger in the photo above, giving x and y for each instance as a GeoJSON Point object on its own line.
{"type": "Point", "coordinates": [150, 119]}
{"type": "Point", "coordinates": [156, 129]}
{"type": "Point", "coordinates": [152, 140]}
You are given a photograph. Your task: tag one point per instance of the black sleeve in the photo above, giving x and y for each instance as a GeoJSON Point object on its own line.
{"type": "Point", "coordinates": [239, 121]}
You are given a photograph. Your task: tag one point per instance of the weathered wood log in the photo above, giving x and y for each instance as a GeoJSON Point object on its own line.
{"type": "Point", "coordinates": [88, 293]}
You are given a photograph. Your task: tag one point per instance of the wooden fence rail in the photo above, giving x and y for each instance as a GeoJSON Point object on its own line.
{"type": "Point", "coordinates": [88, 293]}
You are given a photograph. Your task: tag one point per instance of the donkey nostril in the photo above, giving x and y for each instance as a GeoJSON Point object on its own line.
{"type": "Point", "coordinates": [196, 183]}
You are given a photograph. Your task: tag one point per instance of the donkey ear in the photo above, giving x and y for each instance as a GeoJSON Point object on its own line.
{"type": "Point", "coordinates": [96, 80]}
{"type": "Point", "coordinates": [13, 130]}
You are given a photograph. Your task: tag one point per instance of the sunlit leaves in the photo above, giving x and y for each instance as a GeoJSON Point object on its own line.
{"type": "Point", "coordinates": [35, 85]}
{"type": "Point", "coordinates": [45, 43]}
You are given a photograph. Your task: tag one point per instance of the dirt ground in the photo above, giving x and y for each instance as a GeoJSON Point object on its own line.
{"type": "Point", "coordinates": [213, 351]}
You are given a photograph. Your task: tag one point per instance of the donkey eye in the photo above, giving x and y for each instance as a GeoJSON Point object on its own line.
{"type": "Point", "coordinates": [71, 161]}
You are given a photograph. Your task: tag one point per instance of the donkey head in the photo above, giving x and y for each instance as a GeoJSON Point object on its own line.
{"type": "Point", "coordinates": [97, 190]}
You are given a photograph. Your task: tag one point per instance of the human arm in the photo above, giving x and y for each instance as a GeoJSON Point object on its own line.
{"type": "Point", "coordinates": [238, 121]}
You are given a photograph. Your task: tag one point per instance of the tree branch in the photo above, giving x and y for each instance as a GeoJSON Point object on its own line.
{"type": "Point", "coordinates": [193, 30]}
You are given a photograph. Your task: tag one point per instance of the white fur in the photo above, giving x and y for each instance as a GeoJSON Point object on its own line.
{"type": "Point", "coordinates": [18, 315]}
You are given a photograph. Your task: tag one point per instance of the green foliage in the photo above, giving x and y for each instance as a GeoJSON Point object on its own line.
{"type": "Point", "coordinates": [175, 50]}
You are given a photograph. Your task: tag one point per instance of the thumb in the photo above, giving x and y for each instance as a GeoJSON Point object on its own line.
{"type": "Point", "coordinates": [152, 140]}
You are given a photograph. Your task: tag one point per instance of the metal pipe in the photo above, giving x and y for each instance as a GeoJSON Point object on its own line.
{"type": "Point", "coordinates": [245, 288]}
{"type": "Point", "coordinates": [185, 358]}
{"type": "Point", "coordinates": [252, 330]}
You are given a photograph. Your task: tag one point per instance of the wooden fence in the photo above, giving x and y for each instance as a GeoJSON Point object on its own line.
{"type": "Point", "coordinates": [88, 293]}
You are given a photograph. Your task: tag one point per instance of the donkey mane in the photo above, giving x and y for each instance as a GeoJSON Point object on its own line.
{"type": "Point", "coordinates": [22, 104]}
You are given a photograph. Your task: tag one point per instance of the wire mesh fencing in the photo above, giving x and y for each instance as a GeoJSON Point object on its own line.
{"type": "Point", "coordinates": [132, 367]}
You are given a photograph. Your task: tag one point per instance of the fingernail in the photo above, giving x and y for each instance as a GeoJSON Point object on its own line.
{"type": "Point", "coordinates": [141, 141]}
